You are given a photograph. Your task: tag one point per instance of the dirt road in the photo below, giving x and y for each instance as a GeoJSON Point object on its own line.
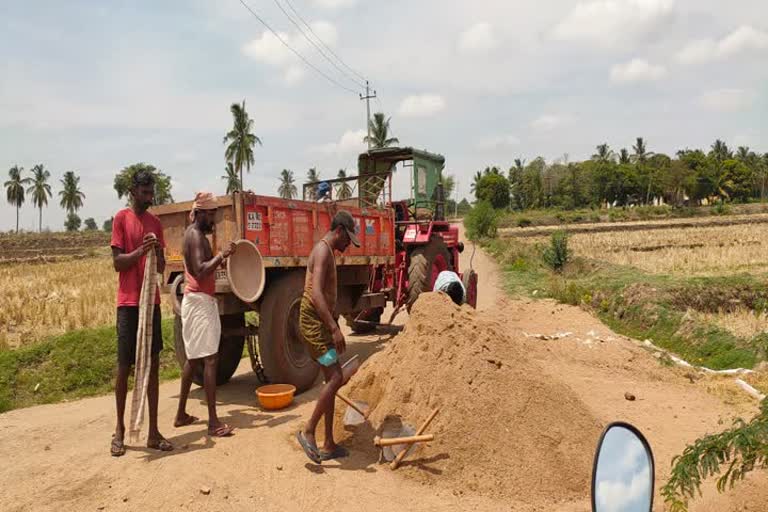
{"type": "Point", "coordinates": [56, 456]}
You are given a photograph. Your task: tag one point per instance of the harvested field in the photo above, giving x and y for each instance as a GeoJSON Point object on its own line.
{"type": "Point", "coordinates": [50, 247]}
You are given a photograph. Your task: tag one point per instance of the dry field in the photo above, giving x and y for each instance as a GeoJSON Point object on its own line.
{"type": "Point", "coordinates": [41, 299]}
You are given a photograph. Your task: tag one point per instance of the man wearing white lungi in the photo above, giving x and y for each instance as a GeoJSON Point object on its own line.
{"type": "Point", "coordinates": [200, 324]}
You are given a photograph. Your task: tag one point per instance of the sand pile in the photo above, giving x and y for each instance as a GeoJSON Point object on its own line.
{"type": "Point", "coordinates": [503, 429]}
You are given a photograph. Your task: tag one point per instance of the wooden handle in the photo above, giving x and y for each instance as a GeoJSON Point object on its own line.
{"type": "Point", "coordinates": [352, 405]}
{"type": "Point", "coordinates": [390, 441]}
{"type": "Point", "coordinates": [401, 455]}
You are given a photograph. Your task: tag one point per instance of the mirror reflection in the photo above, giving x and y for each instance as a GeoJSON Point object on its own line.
{"type": "Point", "coordinates": [623, 480]}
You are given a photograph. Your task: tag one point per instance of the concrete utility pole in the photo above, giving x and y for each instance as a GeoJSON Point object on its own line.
{"type": "Point", "coordinates": [367, 99]}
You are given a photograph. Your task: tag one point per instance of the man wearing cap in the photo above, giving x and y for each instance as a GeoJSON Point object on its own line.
{"type": "Point", "coordinates": [200, 324]}
{"type": "Point", "coordinates": [319, 328]}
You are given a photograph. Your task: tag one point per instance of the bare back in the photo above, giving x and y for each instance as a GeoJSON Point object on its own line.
{"type": "Point", "coordinates": [322, 262]}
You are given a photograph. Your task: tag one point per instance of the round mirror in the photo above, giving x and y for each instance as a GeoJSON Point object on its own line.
{"type": "Point", "coordinates": [622, 477]}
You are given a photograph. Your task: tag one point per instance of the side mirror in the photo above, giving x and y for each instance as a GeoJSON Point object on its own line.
{"type": "Point", "coordinates": [623, 473]}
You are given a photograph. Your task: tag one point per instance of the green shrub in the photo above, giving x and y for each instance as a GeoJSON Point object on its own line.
{"type": "Point", "coordinates": [557, 254]}
{"type": "Point", "coordinates": [481, 221]}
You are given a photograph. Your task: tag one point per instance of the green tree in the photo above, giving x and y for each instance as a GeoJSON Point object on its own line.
{"type": "Point", "coordinates": [720, 151]}
{"type": "Point", "coordinates": [344, 190]}
{"type": "Point", "coordinates": [449, 185]}
{"type": "Point", "coordinates": [232, 179]}
{"type": "Point", "coordinates": [14, 189]}
{"type": "Point", "coordinates": [475, 180]}
{"type": "Point", "coordinates": [70, 194]}
{"type": "Point", "coordinates": [379, 128]}
{"type": "Point", "coordinates": [107, 226]}
{"type": "Point", "coordinates": [73, 222]}
{"type": "Point", "coordinates": [463, 207]}
{"type": "Point", "coordinates": [604, 154]}
{"type": "Point", "coordinates": [287, 188]}
{"type": "Point", "coordinates": [641, 151]}
{"type": "Point", "coordinates": [40, 190]}
{"type": "Point", "coordinates": [240, 140]}
{"type": "Point", "coordinates": [493, 188]}
{"type": "Point", "coordinates": [90, 224]}
{"type": "Point", "coordinates": [313, 177]}
{"type": "Point", "coordinates": [624, 157]}
{"type": "Point", "coordinates": [124, 179]}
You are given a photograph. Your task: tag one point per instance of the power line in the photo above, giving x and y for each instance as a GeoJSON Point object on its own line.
{"type": "Point", "coordinates": [361, 77]}
{"type": "Point", "coordinates": [320, 50]}
{"type": "Point", "coordinates": [319, 71]}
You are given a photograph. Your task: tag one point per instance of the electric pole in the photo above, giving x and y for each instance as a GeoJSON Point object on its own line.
{"type": "Point", "coordinates": [367, 99]}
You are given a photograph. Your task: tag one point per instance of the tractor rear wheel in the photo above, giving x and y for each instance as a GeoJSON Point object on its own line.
{"type": "Point", "coordinates": [426, 262]}
{"type": "Point", "coordinates": [283, 352]}
{"type": "Point", "coordinates": [230, 349]}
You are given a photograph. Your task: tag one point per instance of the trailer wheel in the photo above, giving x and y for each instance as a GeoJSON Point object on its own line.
{"type": "Point", "coordinates": [427, 261]}
{"type": "Point", "coordinates": [469, 280]}
{"type": "Point", "coordinates": [370, 315]}
{"type": "Point", "coordinates": [283, 352]}
{"type": "Point", "coordinates": [230, 349]}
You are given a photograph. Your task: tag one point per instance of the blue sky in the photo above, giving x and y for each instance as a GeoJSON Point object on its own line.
{"type": "Point", "coordinates": [95, 86]}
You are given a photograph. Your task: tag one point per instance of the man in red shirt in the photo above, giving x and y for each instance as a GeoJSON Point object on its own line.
{"type": "Point", "coordinates": [135, 232]}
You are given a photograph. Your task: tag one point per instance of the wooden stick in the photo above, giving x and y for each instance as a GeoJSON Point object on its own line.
{"type": "Point", "coordinates": [390, 441]}
{"type": "Point", "coordinates": [401, 455]}
{"type": "Point", "coordinates": [353, 405]}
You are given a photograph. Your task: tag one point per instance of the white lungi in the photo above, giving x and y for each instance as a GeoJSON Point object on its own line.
{"type": "Point", "coordinates": [200, 325]}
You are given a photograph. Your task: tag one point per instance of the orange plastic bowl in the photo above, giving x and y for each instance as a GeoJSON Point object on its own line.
{"type": "Point", "coordinates": [275, 396]}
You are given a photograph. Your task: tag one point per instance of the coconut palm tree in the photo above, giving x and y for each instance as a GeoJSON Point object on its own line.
{"type": "Point", "coordinates": [14, 189]}
{"type": "Point", "coordinates": [71, 195]}
{"type": "Point", "coordinates": [475, 181]}
{"type": "Point", "coordinates": [624, 157]}
{"type": "Point", "coordinates": [641, 151]}
{"type": "Point", "coordinates": [379, 129]}
{"type": "Point", "coordinates": [344, 191]}
{"type": "Point", "coordinates": [233, 182]}
{"type": "Point", "coordinates": [241, 140]}
{"type": "Point", "coordinates": [313, 177]}
{"type": "Point", "coordinates": [604, 154]}
{"type": "Point", "coordinates": [40, 190]}
{"type": "Point", "coordinates": [720, 151]}
{"type": "Point", "coordinates": [287, 189]}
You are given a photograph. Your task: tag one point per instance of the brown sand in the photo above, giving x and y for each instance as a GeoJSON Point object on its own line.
{"type": "Point", "coordinates": [502, 430]}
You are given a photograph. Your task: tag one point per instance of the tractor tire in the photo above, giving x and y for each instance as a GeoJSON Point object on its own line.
{"type": "Point", "coordinates": [372, 315]}
{"type": "Point", "coordinates": [284, 354]}
{"type": "Point", "coordinates": [469, 280]}
{"type": "Point", "coordinates": [230, 349]}
{"type": "Point", "coordinates": [426, 262]}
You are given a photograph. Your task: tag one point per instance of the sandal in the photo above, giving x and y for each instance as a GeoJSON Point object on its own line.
{"type": "Point", "coordinates": [222, 430]}
{"type": "Point", "coordinates": [161, 444]}
{"type": "Point", "coordinates": [309, 450]}
{"type": "Point", "coordinates": [338, 453]}
{"type": "Point", "coordinates": [186, 421]}
{"type": "Point", "coordinates": [117, 448]}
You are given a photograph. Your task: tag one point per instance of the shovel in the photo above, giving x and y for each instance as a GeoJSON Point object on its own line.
{"type": "Point", "coordinates": [358, 410]}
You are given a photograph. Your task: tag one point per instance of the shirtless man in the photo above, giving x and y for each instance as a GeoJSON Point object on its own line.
{"type": "Point", "coordinates": [200, 323]}
{"type": "Point", "coordinates": [320, 331]}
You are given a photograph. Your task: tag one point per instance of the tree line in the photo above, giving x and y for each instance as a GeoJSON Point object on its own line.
{"type": "Point", "coordinates": [639, 177]}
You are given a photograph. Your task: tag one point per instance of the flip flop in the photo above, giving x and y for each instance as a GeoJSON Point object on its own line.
{"type": "Point", "coordinates": [161, 444]}
{"type": "Point", "coordinates": [221, 431]}
{"type": "Point", "coordinates": [117, 448]}
{"type": "Point", "coordinates": [308, 449]}
{"type": "Point", "coordinates": [338, 453]}
{"type": "Point", "coordinates": [187, 421]}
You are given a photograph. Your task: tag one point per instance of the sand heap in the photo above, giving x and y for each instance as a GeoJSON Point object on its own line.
{"type": "Point", "coordinates": [503, 429]}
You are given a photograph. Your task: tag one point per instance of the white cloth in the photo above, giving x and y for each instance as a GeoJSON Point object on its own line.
{"type": "Point", "coordinates": [200, 325]}
{"type": "Point", "coordinates": [445, 278]}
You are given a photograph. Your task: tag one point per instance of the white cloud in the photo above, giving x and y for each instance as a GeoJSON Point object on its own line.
{"type": "Point", "coordinates": [636, 70]}
{"type": "Point", "coordinates": [498, 141]}
{"type": "Point", "coordinates": [618, 495]}
{"type": "Point", "coordinates": [423, 105]}
{"type": "Point", "coordinates": [548, 122]}
{"type": "Point", "coordinates": [743, 39]}
{"type": "Point", "coordinates": [726, 100]}
{"type": "Point", "coordinates": [334, 4]}
{"type": "Point", "coordinates": [350, 143]}
{"type": "Point", "coordinates": [477, 38]}
{"type": "Point", "coordinates": [268, 49]}
{"type": "Point", "coordinates": [607, 22]}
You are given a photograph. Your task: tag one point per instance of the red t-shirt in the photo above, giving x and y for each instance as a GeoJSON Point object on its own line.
{"type": "Point", "coordinates": [128, 230]}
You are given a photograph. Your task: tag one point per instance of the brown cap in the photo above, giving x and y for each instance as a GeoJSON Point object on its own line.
{"type": "Point", "coordinates": [344, 218]}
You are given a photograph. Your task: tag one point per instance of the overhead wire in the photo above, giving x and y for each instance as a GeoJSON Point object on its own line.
{"type": "Point", "coordinates": [299, 55]}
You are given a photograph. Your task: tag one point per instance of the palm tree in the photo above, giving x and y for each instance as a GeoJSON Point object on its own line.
{"type": "Point", "coordinates": [624, 157]}
{"type": "Point", "coordinates": [379, 129]}
{"type": "Point", "coordinates": [14, 189]}
{"type": "Point", "coordinates": [233, 182]}
{"type": "Point", "coordinates": [449, 184]}
{"type": "Point", "coordinates": [475, 181]}
{"type": "Point", "coordinates": [71, 195]}
{"type": "Point", "coordinates": [313, 176]}
{"type": "Point", "coordinates": [241, 140]}
{"type": "Point", "coordinates": [40, 190]}
{"type": "Point", "coordinates": [287, 189]}
{"type": "Point", "coordinates": [720, 151]}
{"type": "Point", "coordinates": [604, 153]}
{"type": "Point", "coordinates": [344, 191]}
{"type": "Point", "coordinates": [641, 152]}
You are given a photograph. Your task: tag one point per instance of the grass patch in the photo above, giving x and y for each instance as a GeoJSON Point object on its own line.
{"type": "Point", "coordinates": [73, 365]}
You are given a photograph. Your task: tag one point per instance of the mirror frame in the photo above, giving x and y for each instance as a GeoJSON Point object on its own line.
{"type": "Point", "coordinates": [648, 450]}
